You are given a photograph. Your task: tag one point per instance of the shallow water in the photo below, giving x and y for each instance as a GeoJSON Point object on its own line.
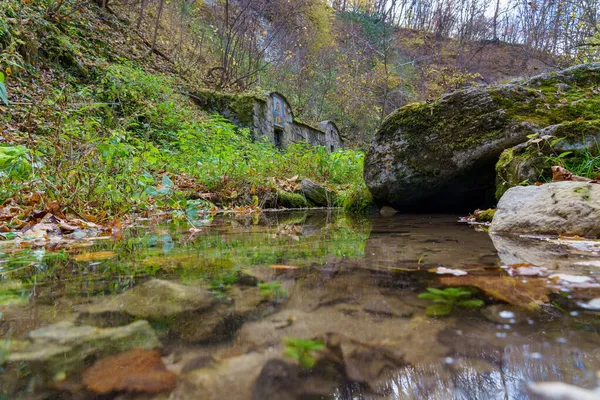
{"type": "Point", "coordinates": [352, 283]}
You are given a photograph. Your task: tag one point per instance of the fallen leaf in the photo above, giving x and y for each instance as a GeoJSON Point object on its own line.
{"type": "Point", "coordinates": [275, 266]}
{"type": "Point", "coordinates": [448, 271]}
{"type": "Point", "coordinates": [529, 293]}
{"type": "Point", "coordinates": [95, 256]}
{"type": "Point", "coordinates": [136, 370]}
{"type": "Point", "coordinates": [560, 391]}
{"type": "Point", "coordinates": [593, 305]}
{"type": "Point", "coordinates": [525, 270]}
{"type": "Point", "coordinates": [571, 278]}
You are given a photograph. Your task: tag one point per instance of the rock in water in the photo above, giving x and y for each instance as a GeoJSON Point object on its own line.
{"type": "Point", "coordinates": [63, 347]}
{"type": "Point", "coordinates": [553, 208]}
{"type": "Point", "coordinates": [155, 299]}
{"type": "Point", "coordinates": [136, 370]}
{"type": "Point", "coordinates": [443, 153]}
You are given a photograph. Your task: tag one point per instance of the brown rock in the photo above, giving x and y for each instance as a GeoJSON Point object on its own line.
{"type": "Point", "coordinates": [136, 370]}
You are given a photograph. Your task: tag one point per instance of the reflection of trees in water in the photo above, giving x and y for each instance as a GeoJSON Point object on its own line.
{"type": "Point", "coordinates": [492, 376]}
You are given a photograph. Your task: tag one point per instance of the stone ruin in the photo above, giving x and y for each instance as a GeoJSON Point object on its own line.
{"type": "Point", "coordinates": [270, 117]}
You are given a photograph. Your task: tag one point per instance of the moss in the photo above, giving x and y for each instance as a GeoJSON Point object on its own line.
{"type": "Point", "coordinates": [583, 191]}
{"type": "Point", "coordinates": [238, 107]}
{"type": "Point", "coordinates": [485, 216]}
{"type": "Point", "coordinates": [359, 201]}
{"type": "Point", "coordinates": [531, 162]}
{"type": "Point", "coordinates": [291, 200]}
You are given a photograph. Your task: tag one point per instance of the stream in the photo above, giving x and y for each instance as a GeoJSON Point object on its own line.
{"type": "Point", "coordinates": [225, 300]}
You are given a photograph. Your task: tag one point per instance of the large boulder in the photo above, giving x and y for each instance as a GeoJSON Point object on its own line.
{"type": "Point", "coordinates": [554, 208]}
{"type": "Point", "coordinates": [443, 153]}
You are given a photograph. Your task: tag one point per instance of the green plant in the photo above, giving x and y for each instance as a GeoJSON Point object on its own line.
{"type": "Point", "coordinates": [303, 350]}
{"type": "Point", "coordinates": [449, 298]}
{"type": "Point", "coordinates": [272, 290]}
{"type": "Point", "coordinates": [14, 162]}
{"type": "Point", "coordinates": [3, 92]}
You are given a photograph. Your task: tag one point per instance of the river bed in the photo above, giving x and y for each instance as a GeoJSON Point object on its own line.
{"type": "Point", "coordinates": [302, 305]}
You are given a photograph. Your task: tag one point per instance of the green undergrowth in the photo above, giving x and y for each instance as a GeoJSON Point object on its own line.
{"type": "Point", "coordinates": [107, 135]}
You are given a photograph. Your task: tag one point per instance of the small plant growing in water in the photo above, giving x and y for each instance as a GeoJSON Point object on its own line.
{"type": "Point", "coordinates": [303, 350]}
{"type": "Point", "coordinates": [272, 290]}
{"type": "Point", "coordinates": [449, 298]}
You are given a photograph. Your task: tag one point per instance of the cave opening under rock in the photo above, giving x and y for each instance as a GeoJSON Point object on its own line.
{"type": "Point", "coordinates": [462, 194]}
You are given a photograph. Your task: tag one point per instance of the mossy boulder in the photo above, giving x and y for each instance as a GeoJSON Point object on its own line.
{"type": "Point", "coordinates": [443, 153]}
{"type": "Point", "coordinates": [317, 194]}
{"type": "Point", "coordinates": [291, 200]}
{"type": "Point", "coordinates": [531, 162]}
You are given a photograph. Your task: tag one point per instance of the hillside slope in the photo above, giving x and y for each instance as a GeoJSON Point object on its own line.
{"type": "Point", "coordinates": [96, 125]}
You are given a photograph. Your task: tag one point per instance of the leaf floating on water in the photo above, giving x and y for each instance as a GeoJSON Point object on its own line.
{"type": "Point", "coordinates": [525, 270]}
{"type": "Point", "coordinates": [561, 391]}
{"type": "Point", "coordinates": [529, 293]}
{"type": "Point", "coordinates": [136, 370]}
{"type": "Point", "coordinates": [448, 271]}
{"type": "Point", "coordinates": [276, 266]}
{"type": "Point", "coordinates": [96, 256]}
{"type": "Point", "coordinates": [571, 278]}
{"type": "Point", "coordinates": [593, 305]}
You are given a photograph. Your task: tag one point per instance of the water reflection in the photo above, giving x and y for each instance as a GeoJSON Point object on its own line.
{"type": "Point", "coordinates": [352, 282]}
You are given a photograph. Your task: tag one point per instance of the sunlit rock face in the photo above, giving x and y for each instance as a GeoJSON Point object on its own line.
{"type": "Point", "coordinates": [441, 155]}
{"type": "Point", "coordinates": [554, 208]}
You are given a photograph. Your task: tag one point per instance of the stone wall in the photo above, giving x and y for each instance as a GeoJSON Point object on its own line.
{"type": "Point", "coordinates": [259, 114]}
{"type": "Point", "coordinates": [333, 140]}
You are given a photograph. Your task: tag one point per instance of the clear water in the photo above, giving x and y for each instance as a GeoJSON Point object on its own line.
{"type": "Point", "coordinates": [351, 282]}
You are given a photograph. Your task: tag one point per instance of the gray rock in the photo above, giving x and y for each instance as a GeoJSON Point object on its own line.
{"type": "Point", "coordinates": [317, 194]}
{"type": "Point", "coordinates": [554, 208]}
{"type": "Point", "coordinates": [442, 154]}
{"type": "Point", "coordinates": [387, 211]}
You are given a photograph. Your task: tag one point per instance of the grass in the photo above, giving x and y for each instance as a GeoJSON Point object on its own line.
{"type": "Point", "coordinates": [108, 136]}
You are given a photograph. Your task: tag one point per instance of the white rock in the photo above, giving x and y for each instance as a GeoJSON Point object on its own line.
{"type": "Point", "coordinates": [554, 208]}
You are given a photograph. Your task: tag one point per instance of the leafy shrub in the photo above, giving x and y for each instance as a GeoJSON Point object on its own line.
{"type": "Point", "coordinates": [14, 163]}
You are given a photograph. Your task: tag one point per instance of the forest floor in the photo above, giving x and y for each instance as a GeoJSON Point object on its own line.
{"type": "Point", "coordinates": [97, 130]}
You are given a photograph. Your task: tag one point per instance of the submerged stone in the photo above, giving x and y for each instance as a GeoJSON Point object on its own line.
{"type": "Point", "coordinates": [63, 347]}
{"type": "Point", "coordinates": [554, 208]}
{"type": "Point", "coordinates": [155, 300]}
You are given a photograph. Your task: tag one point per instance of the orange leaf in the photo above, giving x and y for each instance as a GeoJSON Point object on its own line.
{"type": "Point", "coordinates": [529, 294]}
{"type": "Point", "coordinates": [275, 266]}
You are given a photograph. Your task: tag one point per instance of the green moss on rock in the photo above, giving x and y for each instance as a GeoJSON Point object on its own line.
{"type": "Point", "coordinates": [486, 215]}
{"type": "Point", "coordinates": [291, 200]}
{"type": "Point", "coordinates": [238, 107]}
{"type": "Point", "coordinates": [531, 162]}
{"type": "Point", "coordinates": [359, 200]}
